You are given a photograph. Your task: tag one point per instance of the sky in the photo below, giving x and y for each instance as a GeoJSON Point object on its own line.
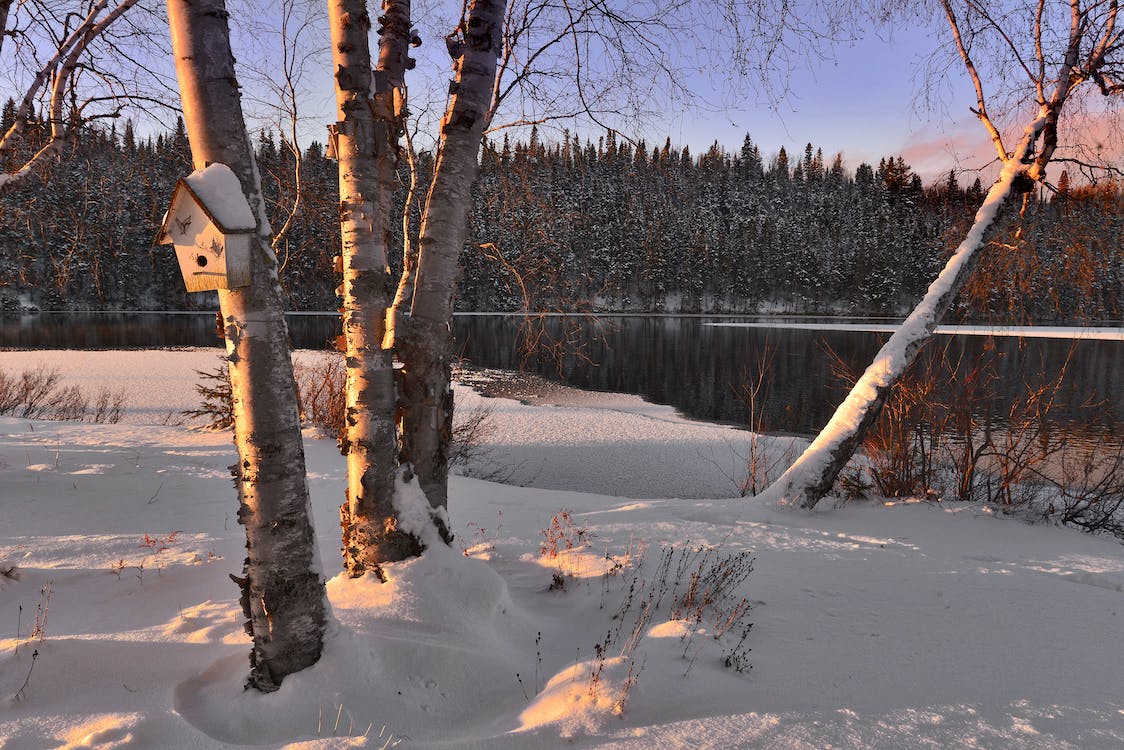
{"type": "Point", "coordinates": [869, 97]}
{"type": "Point", "coordinates": [867, 102]}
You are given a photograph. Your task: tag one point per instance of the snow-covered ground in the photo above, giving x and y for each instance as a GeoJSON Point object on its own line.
{"type": "Point", "coordinates": [901, 626]}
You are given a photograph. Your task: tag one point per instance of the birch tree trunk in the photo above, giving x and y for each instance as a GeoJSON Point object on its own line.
{"type": "Point", "coordinates": [425, 347]}
{"type": "Point", "coordinates": [283, 589]}
{"type": "Point", "coordinates": [5, 6]}
{"type": "Point", "coordinates": [366, 144]}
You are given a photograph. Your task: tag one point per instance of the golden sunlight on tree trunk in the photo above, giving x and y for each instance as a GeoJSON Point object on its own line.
{"type": "Point", "coordinates": [283, 591]}
{"type": "Point", "coordinates": [366, 144]}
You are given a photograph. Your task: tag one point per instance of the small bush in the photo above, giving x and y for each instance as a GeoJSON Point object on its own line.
{"type": "Point", "coordinates": [216, 405]}
{"type": "Point", "coordinates": [38, 394]}
{"type": "Point", "coordinates": [322, 391]}
{"type": "Point", "coordinates": [964, 446]}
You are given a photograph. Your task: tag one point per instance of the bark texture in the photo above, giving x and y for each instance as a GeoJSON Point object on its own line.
{"type": "Point", "coordinates": [366, 135]}
{"type": "Point", "coordinates": [5, 6]}
{"type": "Point", "coordinates": [426, 346]}
{"type": "Point", "coordinates": [282, 589]}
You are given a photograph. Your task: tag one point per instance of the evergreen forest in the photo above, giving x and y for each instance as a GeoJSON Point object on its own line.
{"type": "Point", "coordinates": [577, 226]}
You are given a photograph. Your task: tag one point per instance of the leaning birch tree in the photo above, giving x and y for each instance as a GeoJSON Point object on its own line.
{"type": "Point", "coordinates": [282, 588]}
{"type": "Point", "coordinates": [1050, 51]}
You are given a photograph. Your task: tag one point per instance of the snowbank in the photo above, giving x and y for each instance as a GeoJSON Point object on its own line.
{"type": "Point", "coordinates": [910, 625]}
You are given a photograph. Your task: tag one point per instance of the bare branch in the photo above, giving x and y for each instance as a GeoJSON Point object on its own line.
{"type": "Point", "coordinates": [61, 68]}
{"type": "Point", "coordinates": [981, 101]}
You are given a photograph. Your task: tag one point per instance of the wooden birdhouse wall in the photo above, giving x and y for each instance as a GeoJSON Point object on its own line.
{"type": "Point", "coordinates": [208, 258]}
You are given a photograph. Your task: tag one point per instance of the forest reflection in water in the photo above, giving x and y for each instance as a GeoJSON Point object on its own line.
{"type": "Point", "coordinates": [699, 369]}
{"type": "Point", "coordinates": [675, 360]}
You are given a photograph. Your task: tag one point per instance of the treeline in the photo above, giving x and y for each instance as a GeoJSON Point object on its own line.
{"type": "Point", "coordinates": [581, 226]}
{"type": "Point", "coordinates": [622, 227]}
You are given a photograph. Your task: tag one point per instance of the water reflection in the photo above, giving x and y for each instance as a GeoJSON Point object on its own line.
{"type": "Point", "coordinates": [117, 330]}
{"type": "Point", "coordinates": [698, 368]}
{"type": "Point", "coordinates": [666, 359]}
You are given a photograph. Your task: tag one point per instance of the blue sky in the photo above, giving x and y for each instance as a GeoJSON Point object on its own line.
{"type": "Point", "coordinates": [868, 102]}
{"type": "Point", "coordinates": [869, 98]}
{"type": "Point", "coordinates": [866, 99]}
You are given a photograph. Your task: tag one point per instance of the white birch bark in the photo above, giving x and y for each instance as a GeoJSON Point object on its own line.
{"type": "Point", "coordinates": [426, 347]}
{"type": "Point", "coordinates": [1093, 25]}
{"type": "Point", "coordinates": [283, 589]}
{"type": "Point", "coordinates": [366, 145]}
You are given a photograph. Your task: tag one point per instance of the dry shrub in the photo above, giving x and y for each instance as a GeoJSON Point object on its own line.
{"type": "Point", "coordinates": [964, 446]}
{"type": "Point", "coordinates": [38, 394]}
{"type": "Point", "coordinates": [108, 406]}
{"type": "Point", "coordinates": [1091, 485]}
{"type": "Point", "coordinates": [468, 448]}
{"type": "Point", "coordinates": [322, 397]}
{"type": "Point", "coordinates": [322, 392]}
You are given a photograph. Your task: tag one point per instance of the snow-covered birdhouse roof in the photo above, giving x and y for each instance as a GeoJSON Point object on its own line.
{"type": "Point", "coordinates": [218, 193]}
{"type": "Point", "coordinates": [211, 225]}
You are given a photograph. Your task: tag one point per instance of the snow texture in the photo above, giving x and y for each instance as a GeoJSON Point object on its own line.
{"type": "Point", "coordinates": [906, 625]}
{"type": "Point", "coordinates": [217, 188]}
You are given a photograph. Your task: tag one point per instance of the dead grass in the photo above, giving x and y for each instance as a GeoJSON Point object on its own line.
{"type": "Point", "coordinates": [38, 393]}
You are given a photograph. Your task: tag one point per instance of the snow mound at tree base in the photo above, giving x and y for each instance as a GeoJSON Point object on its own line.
{"type": "Point", "coordinates": [428, 650]}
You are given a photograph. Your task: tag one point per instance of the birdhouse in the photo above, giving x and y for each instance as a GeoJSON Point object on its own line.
{"type": "Point", "coordinates": [211, 225]}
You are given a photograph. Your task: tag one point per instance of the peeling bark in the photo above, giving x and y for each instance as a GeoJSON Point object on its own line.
{"type": "Point", "coordinates": [282, 589]}
{"type": "Point", "coordinates": [425, 347]}
{"type": "Point", "coordinates": [370, 115]}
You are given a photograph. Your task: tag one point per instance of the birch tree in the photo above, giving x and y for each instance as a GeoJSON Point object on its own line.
{"type": "Point", "coordinates": [532, 51]}
{"type": "Point", "coordinates": [425, 346]}
{"type": "Point", "coordinates": [371, 114]}
{"type": "Point", "coordinates": [1050, 51]}
{"type": "Point", "coordinates": [282, 588]}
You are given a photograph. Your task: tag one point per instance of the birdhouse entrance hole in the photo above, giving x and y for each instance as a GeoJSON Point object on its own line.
{"type": "Point", "coordinates": [210, 223]}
